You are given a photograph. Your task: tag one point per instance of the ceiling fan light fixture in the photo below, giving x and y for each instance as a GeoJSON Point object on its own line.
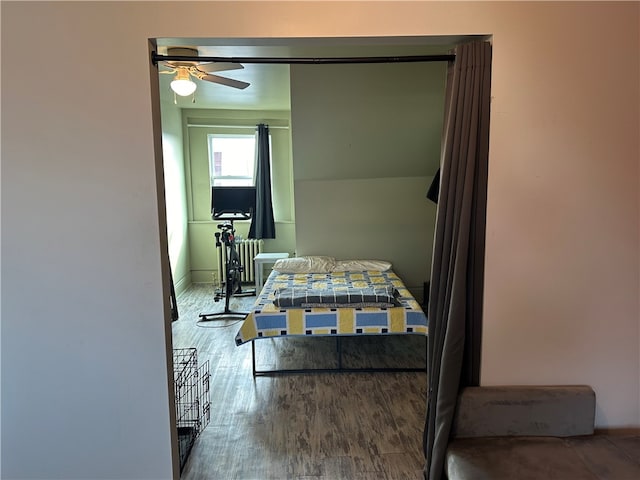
{"type": "Point", "coordinates": [183, 85]}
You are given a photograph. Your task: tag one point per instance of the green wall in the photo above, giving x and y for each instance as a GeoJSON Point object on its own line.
{"type": "Point", "coordinates": [175, 193]}
{"type": "Point", "coordinates": [362, 143]}
{"type": "Point", "coordinates": [201, 229]}
{"type": "Point", "coordinates": [366, 144]}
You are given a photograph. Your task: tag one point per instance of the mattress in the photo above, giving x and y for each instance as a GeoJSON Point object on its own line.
{"type": "Point", "coordinates": [266, 320]}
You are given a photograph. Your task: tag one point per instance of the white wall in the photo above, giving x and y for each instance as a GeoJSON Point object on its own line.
{"type": "Point", "coordinates": [84, 374]}
{"type": "Point", "coordinates": [561, 279]}
{"type": "Point", "coordinates": [85, 384]}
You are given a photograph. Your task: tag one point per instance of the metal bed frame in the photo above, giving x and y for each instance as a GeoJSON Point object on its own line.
{"type": "Point", "coordinates": [339, 369]}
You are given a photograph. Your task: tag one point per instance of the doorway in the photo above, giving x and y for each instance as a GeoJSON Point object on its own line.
{"type": "Point", "coordinates": [303, 175]}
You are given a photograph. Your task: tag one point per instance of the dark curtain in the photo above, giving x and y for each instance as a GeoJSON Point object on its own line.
{"type": "Point", "coordinates": [455, 298]}
{"type": "Point", "coordinates": [434, 189]}
{"type": "Point", "coordinates": [262, 222]}
{"type": "Point", "coordinates": [172, 297]}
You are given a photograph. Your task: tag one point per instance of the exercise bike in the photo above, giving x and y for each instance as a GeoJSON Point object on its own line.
{"type": "Point", "coordinates": [232, 285]}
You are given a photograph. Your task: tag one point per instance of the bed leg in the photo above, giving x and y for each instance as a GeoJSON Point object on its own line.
{"type": "Point", "coordinates": [339, 348]}
{"type": "Point", "coordinates": [253, 358]}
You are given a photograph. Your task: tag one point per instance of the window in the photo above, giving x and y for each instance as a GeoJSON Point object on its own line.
{"type": "Point", "coordinates": [232, 159]}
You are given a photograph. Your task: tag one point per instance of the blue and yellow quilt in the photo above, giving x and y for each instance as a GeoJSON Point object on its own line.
{"type": "Point", "coordinates": [267, 320]}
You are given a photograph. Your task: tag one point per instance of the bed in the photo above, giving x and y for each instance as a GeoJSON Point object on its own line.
{"type": "Point", "coordinates": [321, 296]}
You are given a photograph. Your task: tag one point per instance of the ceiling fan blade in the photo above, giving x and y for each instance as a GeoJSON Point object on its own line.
{"type": "Point", "coordinates": [219, 66]}
{"type": "Point", "coordinates": [225, 81]}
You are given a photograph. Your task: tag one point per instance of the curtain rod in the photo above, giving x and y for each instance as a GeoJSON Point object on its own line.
{"type": "Point", "coordinates": [155, 58]}
{"type": "Point", "coordinates": [252, 127]}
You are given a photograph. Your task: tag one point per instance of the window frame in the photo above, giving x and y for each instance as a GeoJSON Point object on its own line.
{"type": "Point", "coordinates": [222, 180]}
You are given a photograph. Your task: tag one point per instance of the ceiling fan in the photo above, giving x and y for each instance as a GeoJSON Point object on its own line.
{"type": "Point", "coordinates": [183, 85]}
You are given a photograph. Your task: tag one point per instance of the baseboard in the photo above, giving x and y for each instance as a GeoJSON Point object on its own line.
{"type": "Point", "coordinates": [203, 276]}
{"type": "Point", "coordinates": [623, 431]}
{"type": "Point", "coordinates": [182, 284]}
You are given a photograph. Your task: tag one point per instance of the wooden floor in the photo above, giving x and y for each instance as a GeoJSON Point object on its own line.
{"type": "Point", "coordinates": [305, 426]}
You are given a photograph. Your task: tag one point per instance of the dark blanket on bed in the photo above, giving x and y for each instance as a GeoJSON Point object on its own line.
{"type": "Point", "coordinates": [292, 297]}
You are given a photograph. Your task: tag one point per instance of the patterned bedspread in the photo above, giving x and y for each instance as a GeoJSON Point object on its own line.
{"type": "Point", "coordinates": [266, 320]}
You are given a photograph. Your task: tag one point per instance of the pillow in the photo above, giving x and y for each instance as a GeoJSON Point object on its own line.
{"type": "Point", "coordinates": [380, 296]}
{"type": "Point", "coordinates": [361, 265]}
{"type": "Point", "coordinates": [309, 264]}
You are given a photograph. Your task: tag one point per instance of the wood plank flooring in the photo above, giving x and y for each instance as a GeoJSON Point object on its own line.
{"type": "Point", "coordinates": [306, 426]}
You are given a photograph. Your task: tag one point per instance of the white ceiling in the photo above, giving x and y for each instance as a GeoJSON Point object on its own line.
{"type": "Point", "coordinates": [269, 89]}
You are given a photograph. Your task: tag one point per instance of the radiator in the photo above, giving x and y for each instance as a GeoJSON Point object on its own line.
{"type": "Point", "coordinates": [247, 250]}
